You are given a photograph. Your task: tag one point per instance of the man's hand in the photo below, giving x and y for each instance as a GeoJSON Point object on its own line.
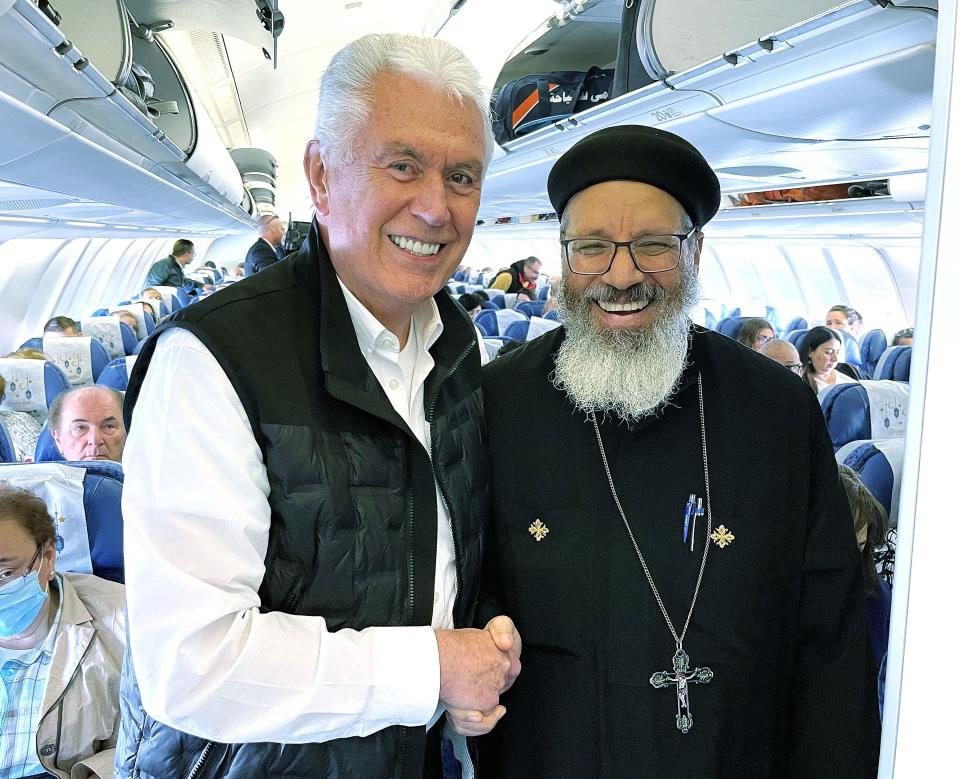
{"type": "Point", "coordinates": [507, 639]}
{"type": "Point", "coordinates": [474, 723]}
{"type": "Point", "coordinates": [473, 669]}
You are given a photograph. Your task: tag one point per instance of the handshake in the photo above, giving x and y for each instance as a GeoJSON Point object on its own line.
{"type": "Point", "coordinates": [476, 666]}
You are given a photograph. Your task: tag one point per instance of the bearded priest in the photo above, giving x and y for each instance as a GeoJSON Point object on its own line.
{"type": "Point", "coordinates": [680, 559]}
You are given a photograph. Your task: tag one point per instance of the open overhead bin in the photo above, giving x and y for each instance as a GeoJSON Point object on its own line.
{"type": "Point", "coordinates": [93, 69]}
{"type": "Point", "coordinates": [841, 95]}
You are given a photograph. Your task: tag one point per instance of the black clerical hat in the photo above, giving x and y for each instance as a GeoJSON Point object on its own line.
{"type": "Point", "coordinates": [638, 153]}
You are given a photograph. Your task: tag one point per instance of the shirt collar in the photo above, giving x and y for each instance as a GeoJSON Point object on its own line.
{"type": "Point", "coordinates": [371, 334]}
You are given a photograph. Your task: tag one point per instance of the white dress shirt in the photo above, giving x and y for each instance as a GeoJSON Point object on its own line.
{"type": "Point", "coordinates": [196, 526]}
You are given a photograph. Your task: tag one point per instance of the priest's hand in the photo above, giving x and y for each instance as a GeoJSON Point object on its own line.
{"type": "Point", "coordinates": [473, 669]}
{"type": "Point", "coordinates": [474, 723]}
{"type": "Point", "coordinates": [507, 639]}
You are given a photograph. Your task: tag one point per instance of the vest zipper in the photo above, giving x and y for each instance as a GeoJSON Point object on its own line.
{"type": "Point", "coordinates": [198, 766]}
{"type": "Point", "coordinates": [438, 472]}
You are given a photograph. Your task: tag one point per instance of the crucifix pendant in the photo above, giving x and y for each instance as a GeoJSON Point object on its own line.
{"type": "Point", "coordinates": [682, 676]}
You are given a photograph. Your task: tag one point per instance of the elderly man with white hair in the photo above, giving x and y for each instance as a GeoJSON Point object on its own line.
{"type": "Point", "coordinates": [680, 559]}
{"type": "Point", "coordinates": [303, 554]}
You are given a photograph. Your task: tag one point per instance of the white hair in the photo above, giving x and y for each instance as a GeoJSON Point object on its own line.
{"type": "Point", "coordinates": [344, 105]}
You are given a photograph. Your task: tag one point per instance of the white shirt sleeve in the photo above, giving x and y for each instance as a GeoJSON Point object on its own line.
{"type": "Point", "coordinates": [196, 525]}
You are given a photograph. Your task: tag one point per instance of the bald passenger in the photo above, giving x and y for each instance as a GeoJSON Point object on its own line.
{"type": "Point", "coordinates": [87, 424]}
{"type": "Point", "coordinates": [782, 352]}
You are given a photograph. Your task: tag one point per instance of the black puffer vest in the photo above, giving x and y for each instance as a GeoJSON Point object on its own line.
{"type": "Point", "coordinates": [353, 533]}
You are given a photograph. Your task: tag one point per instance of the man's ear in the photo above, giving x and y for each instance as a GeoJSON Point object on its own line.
{"type": "Point", "coordinates": [316, 172]}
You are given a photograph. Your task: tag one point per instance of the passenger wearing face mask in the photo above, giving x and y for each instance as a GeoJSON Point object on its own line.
{"type": "Point", "coordinates": [61, 648]}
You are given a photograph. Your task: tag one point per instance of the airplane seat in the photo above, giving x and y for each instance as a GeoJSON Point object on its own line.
{"type": "Point", "coordinates": [880, 466]}
{"type": "Point", "coordinates": [493, 346]}
{"type": "Point", "coordinates": [894, 364]}
{"type": "Point", "coordinates": [33, 343]}
{"type": "Point", "coordinates": [530, 308]}
{"type": "Point", "coordinates": [872, 347]}
{"type": "Point", "coordinates": [498, 299]}
{"type": "Point", "coordinates": [129, 338]}
{"type": "Point", "coordinates": [486, 305]}
{"type": "Point", "coordinates": [139, 346]}
{"type": "Point", "coordinates": [492, 323]}
{"type": "Point", "coordinates": [553, 315]}
{"type": "Point", "coordinates": [46, 451]}
{"type": "Point", "coordinates": [459, 289]}
{"type": "Point", "coordinates": [182, 297]}
{"type": "Point", "coordinates": [81, 358]}
{"type": "Point", "coordinates": [528, 329]}
{"type": "Point", "coordinates": [117, 373]}
{"type": "Point", "coordinates": [459, 276]}
{"type": "Point", "coordinates": [544, 292]}
{"type": "Point", "coordinates": [772, 315]}
{"type": "Point", "coordinates": [32, 385]}
{"type": "Point", "coordinates": [730, 326]}
{"type": "Point", "coordinates": [149, 322]}
{"type": "Point", "coordinates": [168, 297]}
{"type": "Point", "coordinates": [867, 410]}
{"type": "Point", "coordinates": [795, 336]}
{"type": "Point", "coordinates": [101, 312]}
{"type": "Point", "coordinates": [8, 452]}
{"type": "Point", "coordinates": [735, 312]}
{"type": "Point", "coordinates": [84, 499]}
{"type": "Point", "coordinates": [108, 331]}
{"type": "Point", "coordinates": [709, 320]}
{"type": "Point", "coordinates": [797, 323]}
{"type": "Point", "coordinates": [851, 349]}
{"type": "Point", "coordinates": [164, 311]}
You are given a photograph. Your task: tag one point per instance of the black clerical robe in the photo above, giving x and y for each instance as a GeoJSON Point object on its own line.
{"type": "Point", "coordinates": [780, 618]}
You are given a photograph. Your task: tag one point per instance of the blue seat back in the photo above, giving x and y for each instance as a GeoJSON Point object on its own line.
{"type": "Point", "coordinates": [530, 308]}
{"type": "Point", "coordinates": [528, 329]}
{"type": "Point", "coordinates": [33, 343]}
{"type": "Point", "coordinates": [486, 305]}
{"type": "Point", "coordinates": [32, 385]}
{"type": "Point", "coordinates": [497, 300]}
{"type": "Point", "coordinates": [851, 349]}
{"type": "Point", "coordinates": [795, 337]}
{"type": "Point", "coordinates": [8, 452]}
{"type": "Point", "coordinates": [117, 374]}
{"type": "Point", "coordinates": [868, 410]}
{"type": "Point", "coordinates": [879, 465]}
{"type": "Point", "coordinates": [544, 292]}
{"type": "Point", "coordinates": [517, 331]}
{"type": "Point", "coordinates": [486, 320]}
{"type": "Point", "coordinates": [894, 364]}
{"type": "Point", "coordinates": [730, 326]}
{"type": "Point", "coordinates": [872, 347]}
{"type": "Point", "coordinates": [797, 323]}
{"type": "Point", "coordinates": [46, 451]}
{"type": "Point", "coordinates": [553, 315]}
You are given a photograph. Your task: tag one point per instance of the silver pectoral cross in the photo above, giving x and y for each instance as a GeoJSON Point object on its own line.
{"type": "Point", "coordinates": [681, 677]}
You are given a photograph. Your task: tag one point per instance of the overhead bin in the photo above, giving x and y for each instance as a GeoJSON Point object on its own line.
{"type": "Point", "coordinates": [258, 170]}
{"type": "Point", "coordinates": [47, 77]}
{"type": "Point", "coordinates": [844, 95]}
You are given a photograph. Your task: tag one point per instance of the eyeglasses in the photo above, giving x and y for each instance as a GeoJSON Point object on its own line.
{"type": "Point", "coordinates": [6, 576]}
{"type": "Point", "coordinates": [762, 339]}
{"type": "Point", "coordinates": [796, 367]}
{"type": "Point", "coordinates": [650, 253]}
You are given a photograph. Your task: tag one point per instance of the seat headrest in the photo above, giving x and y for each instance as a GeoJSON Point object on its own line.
{"type": "Point", "coordinates": [539, 326]}
{"type": "Point", "coordinates": [46, 451]}
{"type": "Point", "coordinates": [880, 466]}
{"type": "Point", "coordinates": [504, 317]}
{"type": "Point", "coordinates": [865, 410]}
{"type": "Point", "coordinates": [8, 452]}
{"type": "Point", "coordinates": [851, 349]}
{"type": "Point", "coordinates": [106, 330]}
{"type": "Point", "coordinates": [872, 346]}
{"type": "Point", "coordinates": [85, 501]}
{"type": "Point", "coordinates": [894, 364]}
{"type": "Point", "coordinates": [116, 374]}
{"type": "Point", "coordinates": [81, 358]}
{"type": "Point", "coordinates": [31, 385]}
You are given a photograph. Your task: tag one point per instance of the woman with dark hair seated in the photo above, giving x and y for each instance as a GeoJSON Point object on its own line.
{"type": "Point", "coordinates": [61, 648]}
{"type": "Point", "coordinates": [754, 333]}
{"type": "Point", "coordinates": [820, 354]}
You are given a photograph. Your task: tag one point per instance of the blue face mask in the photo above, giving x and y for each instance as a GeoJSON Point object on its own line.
{"type": "Point", "coordinates": [20, 603]}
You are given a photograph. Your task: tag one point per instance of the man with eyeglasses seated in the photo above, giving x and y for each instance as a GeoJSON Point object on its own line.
{"type": "Point", "coordinates": [61, 646]}
{"type": "Point", "coordinates": [682, 613]}
{"type": "Point", "coordinates": [87, 424]}
{"type": "Point", "coordinates": [784, 353]}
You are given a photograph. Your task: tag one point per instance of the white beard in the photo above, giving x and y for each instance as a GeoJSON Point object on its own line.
{"type": "Point", "coordinates": [627, 373]}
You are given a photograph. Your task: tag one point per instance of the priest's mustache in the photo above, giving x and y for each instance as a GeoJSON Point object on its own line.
{"type": "Point", "coordinates": [638, 293]}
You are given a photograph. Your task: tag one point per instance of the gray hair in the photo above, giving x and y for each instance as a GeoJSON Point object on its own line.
{"type": "Point", "coordinates": [344, 103]}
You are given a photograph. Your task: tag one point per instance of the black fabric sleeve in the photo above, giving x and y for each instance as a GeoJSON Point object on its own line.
{"type": "Point", "coordinates": [835, 717]}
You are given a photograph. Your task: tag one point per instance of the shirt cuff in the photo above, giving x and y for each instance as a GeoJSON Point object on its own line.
{"type": "Point", "coordinates": [407, 680]}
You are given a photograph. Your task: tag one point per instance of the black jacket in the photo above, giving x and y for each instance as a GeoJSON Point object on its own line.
{"type": "Point", "coordinates": [780, 618]}
{"type": "Point", "coordinates": [352, 496]}
{"type": "Point", "coordinates": [168, 273]}
{"type": "Point", "coordinates": [259, 256]}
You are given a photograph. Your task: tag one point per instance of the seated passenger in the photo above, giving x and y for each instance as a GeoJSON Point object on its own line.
{"type": "Point", "coordinates": [23, 428]}
{"type": "Point", "coordinates": [61, 646]}
{"type": "Point", "coordinates": [482, 296]}
{"type": "Point", "coordinates": [870, 525]}
{"type": "Point", "coordinates": [903, 337]}
{"type": "Point", "coordinates": [61, 325]}
{"type": "Point", "coordinates": [150, 309]}
{"type": "Point", "coordinates": [128, 319]}
{"type": "Point", "coordinates": [754, 333]}
{"type": "Point", "coordinates": [841, 317]}
{"type": "Point", "coordinates": [470, 303]}
{"type": "Point", "coordinates": [784, 353]}
{"type": "Point", "coordinates": [819, 353]}
{"type": "Point", "coordinates": [149, 293]}
{"type": "Point", "coordinates": [87, 424]}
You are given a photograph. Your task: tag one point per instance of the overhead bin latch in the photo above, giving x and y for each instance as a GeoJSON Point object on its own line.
{"type": "Point", "coordinates": [148, 32]}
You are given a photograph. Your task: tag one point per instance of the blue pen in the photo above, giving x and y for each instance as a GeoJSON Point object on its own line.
{"type": "Point", "coordinates": [687, 513]}
{"type": "Point", "coordinates": [697, 513]}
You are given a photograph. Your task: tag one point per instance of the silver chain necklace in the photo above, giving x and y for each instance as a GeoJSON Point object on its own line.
{"type": "Point", "coordinates": [681, 676]}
